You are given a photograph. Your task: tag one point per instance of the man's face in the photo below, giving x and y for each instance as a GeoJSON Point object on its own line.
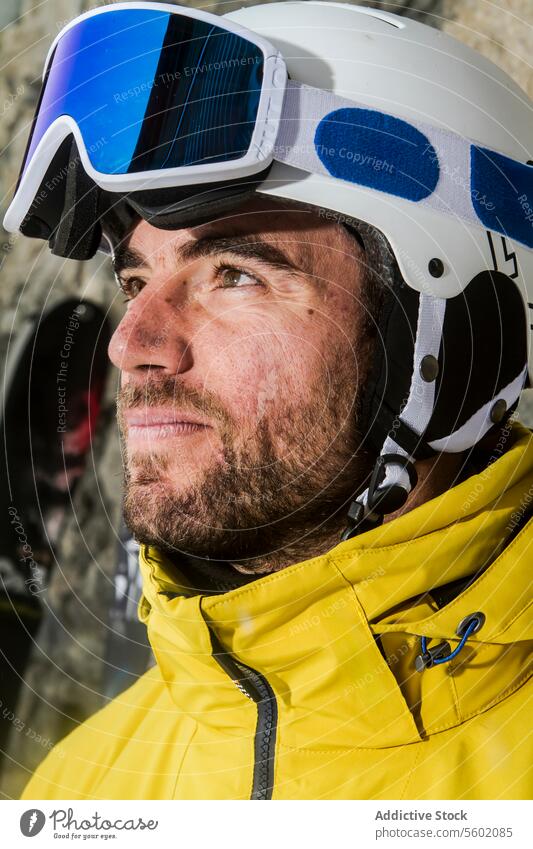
{"type": "Point", "coordinates": [241, 358]}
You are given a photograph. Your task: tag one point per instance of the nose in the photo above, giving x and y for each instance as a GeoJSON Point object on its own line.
{"type": "Point", "coordinates": [151, 335]}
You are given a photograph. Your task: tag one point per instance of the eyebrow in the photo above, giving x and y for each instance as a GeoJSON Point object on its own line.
{"type": "Point", "coordinates": [247, 247]}
{"type": "Point", "coordinates": [124, 258]}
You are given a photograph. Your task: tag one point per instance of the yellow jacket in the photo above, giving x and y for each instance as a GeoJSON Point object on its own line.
{"type": "Point", "coordinates": [325, 709]}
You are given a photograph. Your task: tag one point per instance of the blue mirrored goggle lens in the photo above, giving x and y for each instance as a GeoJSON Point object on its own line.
{"type": "Point", "coordinates": [152, 90]}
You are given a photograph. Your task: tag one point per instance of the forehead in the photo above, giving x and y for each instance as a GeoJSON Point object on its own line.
{"type": "Point", "coordinates": [304, 234]}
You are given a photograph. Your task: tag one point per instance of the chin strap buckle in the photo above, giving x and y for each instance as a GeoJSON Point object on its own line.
{"type": "Point", "coordinates": [379, 501]}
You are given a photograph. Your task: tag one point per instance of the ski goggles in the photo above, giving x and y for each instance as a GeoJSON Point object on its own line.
{"type": "Point", "coordinates": [155, 92]}
{"type": "Point", "coordinates": [159, 96]}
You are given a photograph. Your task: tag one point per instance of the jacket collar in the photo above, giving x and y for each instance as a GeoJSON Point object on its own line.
{"type": "Point", "coordinates": [311, 628]}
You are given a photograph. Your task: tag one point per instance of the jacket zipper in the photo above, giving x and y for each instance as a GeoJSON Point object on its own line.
{"type": "Point", "coordinates": [255, 687]}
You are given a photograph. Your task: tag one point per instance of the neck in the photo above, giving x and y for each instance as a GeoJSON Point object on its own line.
{"type": "Point", "coordinates": [309, 543]}
{"type": "Point", "coordinates": [435, 476]}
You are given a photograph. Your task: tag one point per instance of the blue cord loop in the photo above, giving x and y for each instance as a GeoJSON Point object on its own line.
{"type": "Point", "coordinates": [441, 653]}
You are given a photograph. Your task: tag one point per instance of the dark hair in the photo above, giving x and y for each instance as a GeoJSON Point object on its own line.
{"type": "Point", "coordinates": [117, 223]}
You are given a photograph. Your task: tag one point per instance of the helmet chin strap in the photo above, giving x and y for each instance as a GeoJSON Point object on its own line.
{"type": "Point", "coordinates": [393, 478]}
{"type": "Point", "coordinates": [394, 475]}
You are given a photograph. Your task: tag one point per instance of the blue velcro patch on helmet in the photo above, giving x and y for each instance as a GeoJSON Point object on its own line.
{"type": "Point", "coordinates": [502, 194]}
{"type": "Point", "coordinates": [380, 151]}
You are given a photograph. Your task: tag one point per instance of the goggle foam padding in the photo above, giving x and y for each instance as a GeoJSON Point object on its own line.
{"type": "Point", "coordinates": [183, 206]}
{"type": "Point", "coordinates": [78, 232]}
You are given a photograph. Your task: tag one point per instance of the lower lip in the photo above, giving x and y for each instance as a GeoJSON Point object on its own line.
{"type": "Point", "coordinates": [165, 430]}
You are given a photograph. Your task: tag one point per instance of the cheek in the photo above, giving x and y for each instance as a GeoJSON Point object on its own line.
{"type": "Point", "coordinates": [262, 367]}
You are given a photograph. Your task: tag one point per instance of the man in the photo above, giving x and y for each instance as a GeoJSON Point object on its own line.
{"type": "Point", "coordinates": [320, 462]}
{"type": "Point", "coordinates": [261, 465]}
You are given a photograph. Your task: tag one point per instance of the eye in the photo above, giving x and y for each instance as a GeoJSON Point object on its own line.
{"type": "Point", "coordinates": [235, 278]}
{"type": "Point", "coordinates": [130, 287]}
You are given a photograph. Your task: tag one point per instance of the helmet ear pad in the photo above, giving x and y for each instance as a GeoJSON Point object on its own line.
{"type": "Point", "coordinates": [483, 348]}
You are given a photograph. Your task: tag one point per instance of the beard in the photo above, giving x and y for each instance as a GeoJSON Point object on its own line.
{"type": "Point", "coordinates": [287, 483]}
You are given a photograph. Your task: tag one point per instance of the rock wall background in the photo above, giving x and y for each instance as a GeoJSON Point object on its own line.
{"type": "Point", "coordinates": [65, 681]}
